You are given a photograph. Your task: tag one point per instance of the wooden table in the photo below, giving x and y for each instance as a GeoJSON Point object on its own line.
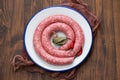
{"type": "Point", "coordinates": [103, 63]}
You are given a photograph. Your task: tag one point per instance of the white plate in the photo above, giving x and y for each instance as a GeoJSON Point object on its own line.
{"type": "Point", "coordinates": [38, 17]}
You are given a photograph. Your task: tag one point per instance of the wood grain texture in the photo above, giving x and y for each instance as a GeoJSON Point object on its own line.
{"type": "Point", "coordinates": [103, 63]}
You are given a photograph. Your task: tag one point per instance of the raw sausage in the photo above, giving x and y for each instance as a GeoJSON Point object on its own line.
{"type": "Point", "coordinates": [65, 56]}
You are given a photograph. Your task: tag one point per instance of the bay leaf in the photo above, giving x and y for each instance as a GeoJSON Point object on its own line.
{"type": "Point", "coordinates": [59, 40]}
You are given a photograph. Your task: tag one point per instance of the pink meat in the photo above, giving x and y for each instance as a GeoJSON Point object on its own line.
{"type": "Point", "coordinates": [47, 35]}
{"type": "Point", "coordinates": [79, 40]}
{"type": "Point", "coordinates": [47, 57]}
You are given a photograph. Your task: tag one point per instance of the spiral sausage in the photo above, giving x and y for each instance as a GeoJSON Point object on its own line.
{"type": "Point", "coordinates": [42, 36]}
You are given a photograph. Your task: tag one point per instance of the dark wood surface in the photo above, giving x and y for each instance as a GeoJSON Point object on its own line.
{"type": "Point", "coordinates": [103, 63]}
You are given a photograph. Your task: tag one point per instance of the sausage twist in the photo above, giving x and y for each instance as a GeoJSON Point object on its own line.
{"type": "Point", "coordinates": [43, 33]}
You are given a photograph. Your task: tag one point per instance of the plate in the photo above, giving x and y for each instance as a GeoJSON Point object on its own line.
{"type": "Point", "coordinates": [44, 13]}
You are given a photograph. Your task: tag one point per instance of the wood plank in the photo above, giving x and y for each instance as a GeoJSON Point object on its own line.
{"type": "Point", "coordinates": [106, 44]}
{"type": "Point", "coordinates": [116, 21]}
{"type": "Point", "coordinates": [5, 24]}
{"type": "Point", "coordinates": [99, 58]}
{"type": "Point", "coordinates": [13, 20]}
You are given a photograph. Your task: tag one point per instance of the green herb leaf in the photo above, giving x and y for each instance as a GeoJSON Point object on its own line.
{"type": "Point", "coordinates": [59, 40]}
